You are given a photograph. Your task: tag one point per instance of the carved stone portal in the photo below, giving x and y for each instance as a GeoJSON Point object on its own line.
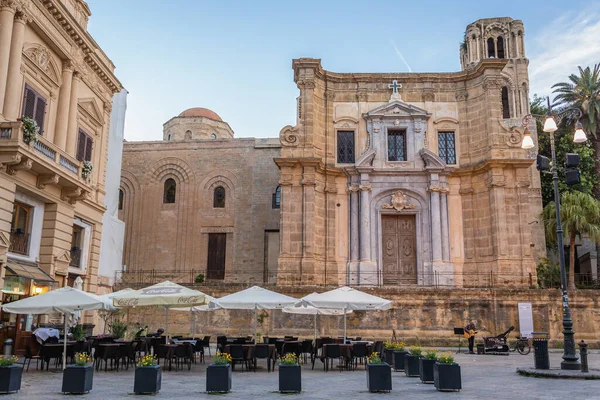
{"type": "Point", "coordinates": [399, 202]}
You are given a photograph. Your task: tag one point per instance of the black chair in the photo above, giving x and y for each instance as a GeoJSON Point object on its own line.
{"type": "Point", "coordinates": [127, 354]}
{"type": "Point", "coordinates": [106, 354]}
{"type": "Point", "coordinates": [48, 353]}
{"type": "Point", "coordinates": [199, 349]}
{"type": "Point", "coordinates": [237, 356]}
{"type": "Point", "coordinates": [359, 352]}
{"type": "Point", "coordinates": [162, 351]}
{"type": "Point", "coordinates": [262, 351]}
{"type": "Point", "coordinates": [307, 348]}
{"type": "Point", "coordinates": [183, 354]}
{"type": "Point", "coordinates": [221, 343]}
{"type": "Point", "coordinates": [206, 344]}
{"type": "Point", "coordinates": [30, 355]}
{"type": "Point", "coordinates": [333, 352]}
{"type": "Point", "coordinates": [291, 348]}
{"type": "Point", "coordinates": [378, 347]}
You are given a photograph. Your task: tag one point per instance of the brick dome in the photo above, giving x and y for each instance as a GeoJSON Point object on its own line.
{"type": "Point", "coordinates": [201, 112]}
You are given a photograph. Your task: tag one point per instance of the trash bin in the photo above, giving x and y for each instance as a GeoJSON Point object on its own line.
{"type": "Point", "coordinates": [480, 348]}
{"type": "Point", "coordinates": [540, 349]}
{"type": "Point", "coordinates": [8, 347]}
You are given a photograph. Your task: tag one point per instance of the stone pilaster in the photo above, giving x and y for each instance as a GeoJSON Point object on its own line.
{"type": "Point", "coordinates": [367, 269]}
{"type": "Point", "coordinates": [62, 113]}
{"type": "Point", "coordinates": [72, 126]}
{"type": "Point", "coordinates": [436, 225]}
{"type": "Point", "coordinates": [444, 226]}
{"type": "Point", "coordinates": [14, 78]}
{"type": "Point", "coordinates": [57, 232]}
{"type": "Point", "coordinates": [7, 17]}
{"type": "Point", "coordinates": [354, 235]}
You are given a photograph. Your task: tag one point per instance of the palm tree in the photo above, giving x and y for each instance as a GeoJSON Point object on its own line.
{"type": "Point", "coordinates": [583, 91]}
{"type": "Point", "coordinates": [580, 215]}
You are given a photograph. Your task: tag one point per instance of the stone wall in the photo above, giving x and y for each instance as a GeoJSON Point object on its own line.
{"type": "Point", "coordinates": [428, 314]}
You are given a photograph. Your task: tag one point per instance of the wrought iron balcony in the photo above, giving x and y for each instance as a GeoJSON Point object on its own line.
{"type": "Point", "coordinates": [75, 257]}
{"type": "Point", "coordinates": [52, 165]}
{"type": "Point", "coordinates": [19, 243]}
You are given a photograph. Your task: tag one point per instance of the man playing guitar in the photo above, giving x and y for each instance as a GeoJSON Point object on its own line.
{"type": "Point", "coordinates": [470, 333]}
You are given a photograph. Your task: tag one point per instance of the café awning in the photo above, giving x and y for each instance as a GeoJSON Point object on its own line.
{"type": "Point", "coordinates": [22, 270]}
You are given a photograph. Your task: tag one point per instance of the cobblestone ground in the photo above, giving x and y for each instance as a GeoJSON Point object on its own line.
{"type": "Point", "coordinates": [483, 377]}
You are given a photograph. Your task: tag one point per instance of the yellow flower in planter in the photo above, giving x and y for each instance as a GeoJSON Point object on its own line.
{"type": "Point", "coordinates": [148, 361]}
{"type": "Point", "coordinates": [289, 359]}
{"type": "Point", "coordinates": [5, 361]}
{"type": "Point", "coordinates": [82, 359]}
{"type": "Point", "coordinates": [374, 358]}
{"type": "Point", "coordinates": [222, 358]}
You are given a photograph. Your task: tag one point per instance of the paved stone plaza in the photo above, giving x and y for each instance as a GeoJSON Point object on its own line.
{"type": "Point", "coordinates": [484, 377]}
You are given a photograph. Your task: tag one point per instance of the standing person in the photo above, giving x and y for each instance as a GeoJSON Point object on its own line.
{"type": "Point", "coordinates": [470, 334]}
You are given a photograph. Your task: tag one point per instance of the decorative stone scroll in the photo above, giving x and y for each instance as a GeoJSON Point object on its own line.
{"type": "Point", "coordinates": [289, 136]}
{"type": "Point", "coordinates": [399, 202]}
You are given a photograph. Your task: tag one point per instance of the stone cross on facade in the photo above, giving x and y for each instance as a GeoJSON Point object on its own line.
{"type": "Point", "coordinates": [395, 94]}
{"type": "Point", "coordinates": [395, 86]}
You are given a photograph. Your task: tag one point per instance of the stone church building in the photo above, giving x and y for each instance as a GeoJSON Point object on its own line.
{"type": "Point", "coordinates": [385, 179]}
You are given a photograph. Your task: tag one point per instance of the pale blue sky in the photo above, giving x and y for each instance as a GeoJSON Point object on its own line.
{"type": "Point", "coordinates": [235, 57]}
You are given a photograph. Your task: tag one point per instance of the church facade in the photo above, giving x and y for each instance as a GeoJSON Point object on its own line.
{"type": "Point", "coordinates": [413, 178]}
{"type": "Point", "coordinates": [385, 179]}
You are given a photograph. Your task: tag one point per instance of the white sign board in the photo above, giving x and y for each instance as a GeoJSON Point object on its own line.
{"type": "Point", "coordinates": [525, 319]}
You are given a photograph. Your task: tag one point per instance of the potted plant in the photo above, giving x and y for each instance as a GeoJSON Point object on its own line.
{"type": "Point", "coordinates": [148, 375]}
{"type": "Point", "coordinates": [411, 361]}
{"type": "Point", "coordinates": [78, 377]}
{"type": "Point", "coordinates": [118, 329]}
{"type": "Point", "coordinates": [399, 355]}
{"type": "Point", "coordinates": [379, 374]}
{"type": "Point", "coordinates": [290, 380]}
{"type": "Point", "coordinates": [426, 366]}
{"type": "Point", "coordinates": [86, 169]}
{"type": "Point", "coordinates": [388, 355]}
{"type": "Point", "coordinates": [446, 373]}
{"type": "Point", "coordinates": [199, 278]}
{"type": "Point", "coordinates": [10, 374]}
{"type": "Point", "coordinates": [218, 374]}
{"type": "Point", "coordinates": [31, 130]}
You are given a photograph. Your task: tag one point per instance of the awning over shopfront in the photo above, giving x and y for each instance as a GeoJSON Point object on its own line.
{"type": "Point", "coordinates": [21, 270]}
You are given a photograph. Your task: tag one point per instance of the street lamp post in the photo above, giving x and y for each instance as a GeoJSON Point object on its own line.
{"type": "Point", "coordinates": [570, 359]}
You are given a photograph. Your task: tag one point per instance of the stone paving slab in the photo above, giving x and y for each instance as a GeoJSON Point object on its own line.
{"type": "Point", "coordinates": [484, 377]}
{"type": "Point", "coordinates": [558, 373]}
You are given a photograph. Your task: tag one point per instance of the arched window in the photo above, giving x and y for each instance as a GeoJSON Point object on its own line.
{"type": "Point", "coordinates": [213, 136]}
{"type": "Point", "coordinates": [169, 136]}
{"type": "Point", "coordinates": [500, 43]}
{"type": "Point", "coordinates": [491, 50]}
{"type": "Point", "coordinates": [121, 195]}
{"type": "Point", "coordinates": [188, 135]}
{"type": "Point", "coordinates": [505, 107]}
{"type": "Point", "coordinates": [219, 197]}
{"type": "Point", "coordinates": [276, 201]}
{"type": "Point", "coordinates": [170, 191]}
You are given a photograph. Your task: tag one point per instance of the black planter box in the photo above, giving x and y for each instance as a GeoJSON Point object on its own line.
{"type": "Point", "coordinates": [290, 378]}
{"type": "Point", "coordinates": [10, 378]}
{"type": "Point", "coordinates": [218, 378]}
{"type": "Point", "coordinates": [426, 370]}
{"type": "Point", "coordinates": [147, 379]}
{"type": "Point", "coordinates": [388, 356]}
{"type": "Point", "coordinates": [78, 379]}
{"type": "Point", "coordinates": [446, 376]}
{"type": "Point", "coordinates": [379, 377]}
{"type": "Point", "coordinates": [411, 365]}
{"type": "Point", "coordinates": [399, 360]}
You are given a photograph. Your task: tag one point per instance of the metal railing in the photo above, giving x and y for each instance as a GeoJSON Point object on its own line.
{"type": "Point", "coordinates": [68, 164]}
{"type": "Point", "coordinates": [75, 257]}
{"type": "Point", "coordinates": [19, 243]}
{"type": "Point", "coordinates": [45, 149]}
{"type": "Point", "coordinates": [141, 277]}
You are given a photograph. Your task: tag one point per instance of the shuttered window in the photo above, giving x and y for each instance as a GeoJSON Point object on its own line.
{"type": "Point", "coordinates": [85, 144]}
{"type": "Point", "coordinates": [345, 147]}
{"type": "Point", "coordinates": [34, 107]}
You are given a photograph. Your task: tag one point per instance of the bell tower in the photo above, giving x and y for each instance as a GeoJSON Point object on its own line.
{"type": "Point", "coordinates": [501, 38]}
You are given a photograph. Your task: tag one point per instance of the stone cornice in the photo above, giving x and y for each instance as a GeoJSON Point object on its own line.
{"type": "Point", "coordinates": [84, 41]}
{"type": "Point", "coordinates": [488, 164]}
{"type": "Point", "coordinates": [405, 77]}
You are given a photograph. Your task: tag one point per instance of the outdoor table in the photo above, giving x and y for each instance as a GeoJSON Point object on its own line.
{"type": "Point", "coordinates": [249, 351]}
{"type": "Point", "coordinates": [346, 351]}
{"type": "Point", "coordinates": [53, 350]}
{"type": "Point", "coordinates": [181, 341]}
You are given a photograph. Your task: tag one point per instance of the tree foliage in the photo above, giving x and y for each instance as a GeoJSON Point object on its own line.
{"type": "Point", "coordinates": [563, 140]}
{"type": "Point", "coordinates": [580, 215]}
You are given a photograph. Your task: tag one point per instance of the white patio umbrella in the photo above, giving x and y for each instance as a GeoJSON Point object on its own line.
{"type": "Point", "coordinates": [165, 294]}
{"type": "Point", "coordinates": [193, 310]}
{"type": "Point", "coordinates": [346, 298]}
{"type": "Point", "coordinates": [310, 310]}
{"type": "Point", "coordinates": [254, 298]}
{"type": "Point", "coordinates": [108, 298]}
{"type": "Point", "coordinates": [65, 300]}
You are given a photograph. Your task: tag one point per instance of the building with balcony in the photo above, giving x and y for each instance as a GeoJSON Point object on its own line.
{"type": "Point", "coordinates": [51, 205]}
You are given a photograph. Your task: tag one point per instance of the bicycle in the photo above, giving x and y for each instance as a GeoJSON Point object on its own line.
{"type": "Point", "coordinates": [521, 345]}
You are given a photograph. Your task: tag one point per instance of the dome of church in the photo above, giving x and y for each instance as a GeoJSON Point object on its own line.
{"type": "Point", "coordinates": [201, 112]}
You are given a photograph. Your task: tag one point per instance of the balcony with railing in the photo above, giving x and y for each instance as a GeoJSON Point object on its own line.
{"type": "Point", "coordinates": [75, 257]}
{"type": "Point", "coordinates": [51, 164]}
{"type": "Point", "coordinates": [19, 243]}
